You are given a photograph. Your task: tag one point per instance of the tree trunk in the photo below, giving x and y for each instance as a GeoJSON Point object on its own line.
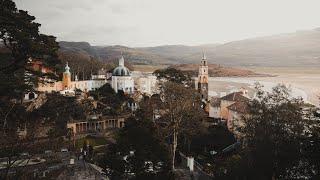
{"type": "Point", "coordinates": [5, 121]}
{"type": "Point", "coordinates": [174, 147]}
{"type": "Point", "coordinates": [189, 146]}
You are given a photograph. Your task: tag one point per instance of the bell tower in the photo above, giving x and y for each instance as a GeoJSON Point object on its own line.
{"type": "Point", "coordinates": [203, 79]}
{"type": "Point", "coordinates": [66, 79]}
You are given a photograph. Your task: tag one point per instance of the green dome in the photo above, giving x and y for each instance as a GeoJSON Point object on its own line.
{"type": "Point", "coordinates": [121, 70]}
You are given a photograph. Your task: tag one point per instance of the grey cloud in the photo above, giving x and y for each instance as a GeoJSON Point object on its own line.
{"type": "Point", "coordinates": [156, 22]}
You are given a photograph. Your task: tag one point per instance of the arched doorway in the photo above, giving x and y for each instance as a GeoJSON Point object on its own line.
{"type": "Point", "coordinates": [31, 95]}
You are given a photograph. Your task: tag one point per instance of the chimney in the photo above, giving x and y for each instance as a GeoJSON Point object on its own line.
{"type": "Point", "coordinates": [244, 91]}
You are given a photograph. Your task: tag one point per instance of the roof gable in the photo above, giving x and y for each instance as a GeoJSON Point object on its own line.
{"type": "Point", "coordinates": [235, 96]}
{"type": "Point", "coordinates": [240, 106]}
{"type": "Point", "coordinates": [215, 102]}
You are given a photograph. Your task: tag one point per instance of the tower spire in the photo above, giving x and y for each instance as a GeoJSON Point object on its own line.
{"type": "Point", "coordinates": [121, 61]}
{"type": "Point", "coordinates": [204, 56]}
{"type": "Point", "coordinates": [204, 59]}
{"type": "Point", "coordinates": [67, 68]}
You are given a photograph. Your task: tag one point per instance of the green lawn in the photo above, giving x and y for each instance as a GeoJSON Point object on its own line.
{"type": "Point", "coordinates": [91, 140]}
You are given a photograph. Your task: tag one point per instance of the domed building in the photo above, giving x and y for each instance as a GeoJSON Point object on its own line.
{"type": "Point", "coordinates": [121, 78]}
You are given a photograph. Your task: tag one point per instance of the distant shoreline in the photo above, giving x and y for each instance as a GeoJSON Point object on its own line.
{"type": "Point", "coordinates": [304, 87]}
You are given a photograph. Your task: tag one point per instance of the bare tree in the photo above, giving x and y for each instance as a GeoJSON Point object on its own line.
{"type": "Point", "coordinates": [179, 105]}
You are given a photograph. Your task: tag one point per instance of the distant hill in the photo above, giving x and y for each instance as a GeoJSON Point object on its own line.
{"type": "Point", "coordinates": [180, 53]}
{"type": "Point", "coordinates": [82, 47]}
{"type": "Point", "coordinates": [133, 55]}
{"type": "Point", "coordinates": [169, 54]}
{"type": "Point", "coordinates": [295, 49]}
{"type": "Point", "coordinates": [301, 48]}
{"type": "Point", "coordinates": [112, 53]}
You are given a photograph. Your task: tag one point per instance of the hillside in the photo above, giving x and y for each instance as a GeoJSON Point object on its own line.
{"type": "Point", "coordinates": [296, 49]}
{"type": "Point", "coordinates": [178, 53]}
{"type": "Point", "coordinates": [301, 48]}
{"type": "Point", "coordinates": [82, 47]}
{"type": "Point", "coordinates": [133, 55]}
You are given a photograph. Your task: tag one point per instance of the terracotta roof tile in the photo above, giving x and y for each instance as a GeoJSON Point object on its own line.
{"type": "Point", "coordinates": [240, 106]}
{"type": "Point", "coordinates": [215, 102]}
{"type": "Point", "coordinates": [236, 96]}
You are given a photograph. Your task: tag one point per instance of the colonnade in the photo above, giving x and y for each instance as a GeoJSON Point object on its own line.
{"type": "Point", "coordinates": [95, 126]}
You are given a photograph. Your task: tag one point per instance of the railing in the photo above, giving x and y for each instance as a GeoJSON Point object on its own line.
{"type": "Point", "coordinates": [198, 167]}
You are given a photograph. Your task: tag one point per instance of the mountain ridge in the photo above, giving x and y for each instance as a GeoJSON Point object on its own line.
{"type": "Point", "coordinates": [301, 48]}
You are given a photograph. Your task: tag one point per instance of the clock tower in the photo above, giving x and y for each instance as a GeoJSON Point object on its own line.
{"type": "Point", "coordinates": [203, 79]}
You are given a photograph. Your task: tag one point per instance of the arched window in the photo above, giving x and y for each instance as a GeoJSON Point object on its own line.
{"type": "Point", "coordinates": [31, 95]}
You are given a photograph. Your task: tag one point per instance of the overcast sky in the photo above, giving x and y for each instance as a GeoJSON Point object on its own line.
{"type": "Point", "coordinates": [162, 22]}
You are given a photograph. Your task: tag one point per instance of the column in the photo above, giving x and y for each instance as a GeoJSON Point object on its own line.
{"type": "Point", "coordinates": [77, 128]}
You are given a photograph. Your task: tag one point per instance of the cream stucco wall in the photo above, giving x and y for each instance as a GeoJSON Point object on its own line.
{"type": "Point", "coordinates": [214, 112]}
{"type": "Point", "coordinates": [224, 110]}
{"type": "Point", "coordinates": [124, 83]}
{"type": "Point", "coordinates": [147, 84]}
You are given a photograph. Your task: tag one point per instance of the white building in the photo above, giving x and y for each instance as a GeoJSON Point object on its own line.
{"type": "Point", "coordinates": [214, 108]}
{"type": "Point", "coordinates": [102, 74]}
{"type": "Point", "coordinates": [145, 83]}
{"type": "Point", "coordinates": [30, 96]}
{"type": "Point", "coordinates": [121, 78]}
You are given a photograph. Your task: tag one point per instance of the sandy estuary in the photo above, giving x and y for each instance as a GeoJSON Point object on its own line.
{"type": "Point", "coordinates": [303, 82]}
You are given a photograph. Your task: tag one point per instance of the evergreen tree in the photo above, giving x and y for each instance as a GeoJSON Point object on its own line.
{"type": "Point", "coordinates": [139, 153]}
{"type": "Point", "coordinates": [275, 137]}
{"type": "Point", "coordinates": [174, 75]}
{"type": "Point", "coordinates": [20, 42]}
{"type": "Point", "coordinates": [21, 38]}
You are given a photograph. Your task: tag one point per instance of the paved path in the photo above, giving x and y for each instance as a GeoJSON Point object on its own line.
{"type": "Point", "coordinates": [80, 171]}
